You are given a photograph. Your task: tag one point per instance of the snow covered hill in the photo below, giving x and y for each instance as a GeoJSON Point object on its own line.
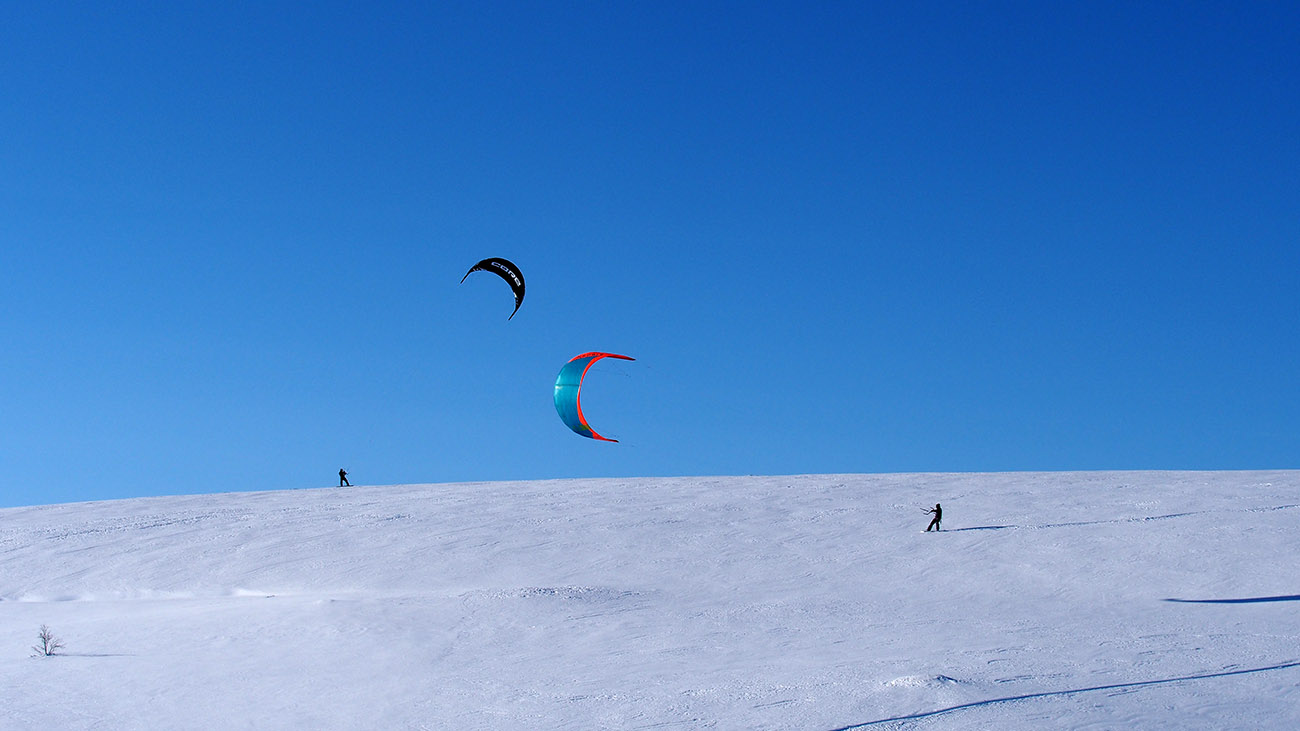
{"type": "Point", "coordinates": [1050, 600]}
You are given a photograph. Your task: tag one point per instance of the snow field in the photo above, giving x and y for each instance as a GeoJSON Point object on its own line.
{"type": "Point", "coordinates": [805, 602]}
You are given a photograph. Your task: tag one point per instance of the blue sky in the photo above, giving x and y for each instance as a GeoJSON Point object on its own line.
{"type": "Point", "coordinates": [851, 238]}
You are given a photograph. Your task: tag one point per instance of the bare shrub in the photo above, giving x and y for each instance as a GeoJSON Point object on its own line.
{"type": "Point", "coordinates": [49, 643]}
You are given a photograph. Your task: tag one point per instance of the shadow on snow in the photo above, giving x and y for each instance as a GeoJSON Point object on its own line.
{"type": "Point", "coordinates": [1110, 521]}
{"type": "Point", "coordinates": [1055, 693]}
{"type": "Point", "coordinates": [1250, 600]}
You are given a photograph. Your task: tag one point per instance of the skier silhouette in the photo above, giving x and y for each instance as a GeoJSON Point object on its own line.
{"type": "Point", "coordinates": [343, 478]}
{"type": "Point", "coordinates": [938, 516]}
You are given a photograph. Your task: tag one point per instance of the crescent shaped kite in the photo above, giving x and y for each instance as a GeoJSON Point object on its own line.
{"type": "Point", "coordinates": [505, 269]}
{"type": "Point", "coordinates": [568, 388]}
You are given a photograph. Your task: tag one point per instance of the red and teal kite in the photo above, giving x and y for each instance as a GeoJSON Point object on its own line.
{"type": "Point", "coordinates": [568, 388]}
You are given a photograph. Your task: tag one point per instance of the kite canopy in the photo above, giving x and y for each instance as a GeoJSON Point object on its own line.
{"type": "Point", "coordinates": [568, 387]}
{"type": "Point", "coordinates": [506, 270]}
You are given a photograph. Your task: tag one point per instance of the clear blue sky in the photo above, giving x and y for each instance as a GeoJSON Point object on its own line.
{"type": "Point", "coordinates": [859, 237]}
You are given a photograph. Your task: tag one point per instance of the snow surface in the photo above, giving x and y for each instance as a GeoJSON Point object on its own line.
{"type": "Point", "coordinates": [1051, 600]}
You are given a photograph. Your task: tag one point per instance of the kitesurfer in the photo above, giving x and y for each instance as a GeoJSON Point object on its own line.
{"type": "Point", "coordinates": [938, 516]}
{"type": "Point", "coordinates": [343, 478]}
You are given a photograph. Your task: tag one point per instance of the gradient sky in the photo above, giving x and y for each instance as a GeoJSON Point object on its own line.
{"type": "Point", "coordinates": [860, 237]}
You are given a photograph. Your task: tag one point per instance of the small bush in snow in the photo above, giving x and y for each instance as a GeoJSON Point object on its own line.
{"type": "Point", "coordinates": [49, 643]}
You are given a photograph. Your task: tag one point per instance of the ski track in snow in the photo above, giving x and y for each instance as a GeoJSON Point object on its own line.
{"type": "Point", "coordinates": [1052, 600]}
